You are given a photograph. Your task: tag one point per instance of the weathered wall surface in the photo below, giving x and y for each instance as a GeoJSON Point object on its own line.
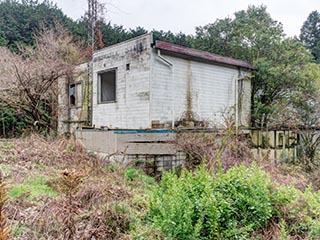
{"type": "Point", "coordinates": [276, 144]}
{"type": "Point", "coordinates": [149, 91]}
{"type": "Point", "coordinates": [244, 99]}
{"type": "Point", "coordinates": [131, 108]}
{"type": "Point", "coordinates": [206, 90]}
{"type": "Point", "coordinates": [155, 149]}
{"type": "Point", "coordinates": [70, 117]}
{"type": "Point", "coordinates": [128, 142]}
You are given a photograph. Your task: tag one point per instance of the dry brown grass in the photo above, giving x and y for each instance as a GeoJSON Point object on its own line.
{"type": "Point", "coordinates": [60, 153]}
{"type": "Point", "coordinates": [90, 197]}
{"type": "Point", "coordinates": [290, 174]}
{"type": "Point", "coordinates": [4, 228]}
{"type": "Point", "coordinates": [222, 148]}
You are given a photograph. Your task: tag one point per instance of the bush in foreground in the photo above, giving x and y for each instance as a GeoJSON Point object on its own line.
{"type": "Point", "coordinates": [238, 204]}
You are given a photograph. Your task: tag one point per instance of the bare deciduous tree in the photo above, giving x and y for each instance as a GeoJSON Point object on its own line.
{"type": "Point", "coordinates": [29, 79]}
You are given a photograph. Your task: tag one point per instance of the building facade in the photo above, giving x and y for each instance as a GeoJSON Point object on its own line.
{"type": "Point", "coordinates": [142, 84]}
{"type": "Point", "coordinates": [139, 84]}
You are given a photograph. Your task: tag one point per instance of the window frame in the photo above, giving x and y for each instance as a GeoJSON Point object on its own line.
{"type": "Point", "coordinates": [78, 104]}
{"type": "Point", "coordinates": [99, 100]}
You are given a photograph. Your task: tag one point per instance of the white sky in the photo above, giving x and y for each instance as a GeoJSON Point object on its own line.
{"type": "Point", "coordinates": [185, 15]}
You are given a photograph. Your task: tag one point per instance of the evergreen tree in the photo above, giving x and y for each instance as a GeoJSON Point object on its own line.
{"type": "Point", "coordinates": [20, 20]}
{"type": "Point", "coordinates": [310, 34]}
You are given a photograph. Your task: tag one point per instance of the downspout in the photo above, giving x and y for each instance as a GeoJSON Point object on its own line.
{"type": "Point", "coordinates": [166, 61]}
{"type": "Point", "coordinates": [170, 64]}
{"type": "Point", "coordinates": [237, 99]}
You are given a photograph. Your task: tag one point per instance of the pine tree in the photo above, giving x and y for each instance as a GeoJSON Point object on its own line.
{"type": "Point", "coordinates": [310, 34]}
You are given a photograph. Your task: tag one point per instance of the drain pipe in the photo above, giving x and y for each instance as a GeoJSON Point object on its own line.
{"type": "Point", "coordinates": [166, 61]}
{"type": "Point", "coordinates": [169, 64]}
{"type": "Point", "coordinates": [237, 99]}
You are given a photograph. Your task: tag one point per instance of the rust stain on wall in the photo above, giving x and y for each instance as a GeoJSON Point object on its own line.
{"type": "Point", "coordinates": [189, 115]}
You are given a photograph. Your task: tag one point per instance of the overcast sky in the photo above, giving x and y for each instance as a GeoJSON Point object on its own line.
{"type": "Point", "coordinates": [185, 15]}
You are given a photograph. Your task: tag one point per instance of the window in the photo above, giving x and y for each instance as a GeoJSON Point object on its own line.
{"type": "Point", "coordinates": [107, 83]}
{"type": "Point", "coordinates": [75, 94]}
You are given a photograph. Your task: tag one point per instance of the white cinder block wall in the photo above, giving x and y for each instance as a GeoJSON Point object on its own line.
{"type": "Point", "coordinates": [154, 91]}
{"type": "Point", "coordinates": [131, 108]}
{"type": "Point", "coordinates": [212, 88]}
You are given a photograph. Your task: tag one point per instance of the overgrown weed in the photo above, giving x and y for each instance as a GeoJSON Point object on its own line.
{"type": "Point", "coordinates": [220, 149]}
{"type": "Point", "coordinates": [240, 203]}
{"type": "Point", "coordinates": [89, 210]}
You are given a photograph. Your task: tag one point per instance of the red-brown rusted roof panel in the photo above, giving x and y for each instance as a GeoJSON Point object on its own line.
{"type": "Point", "coordinates": [201, 54]}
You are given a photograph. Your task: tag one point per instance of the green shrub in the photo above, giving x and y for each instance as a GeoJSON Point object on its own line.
{"type": "Point", "coordinates": [200, 205]}
{"type": "Point", "coordinates": [232, 205]}
{"type": "Point", "coordinates": [300, 211]}
{"type": "Point", "coordinates": [131, 174]}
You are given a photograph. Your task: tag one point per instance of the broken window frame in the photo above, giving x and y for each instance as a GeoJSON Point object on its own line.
{"type": "Point", "coordinates": [114, 99]}
{"type": "Point", "coordinates": [77, 93]}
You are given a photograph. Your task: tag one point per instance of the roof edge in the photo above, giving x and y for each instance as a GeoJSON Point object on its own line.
{"type": "Point", "coordinates": [170, 47]}
{"type": "Point", "coordinates": [150, 34]}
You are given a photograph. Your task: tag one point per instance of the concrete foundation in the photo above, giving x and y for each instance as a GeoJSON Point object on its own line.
{"type": "Point", "coordinates": [155, 150]}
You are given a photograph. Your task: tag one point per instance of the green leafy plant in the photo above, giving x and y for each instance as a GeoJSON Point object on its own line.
{"type": "Point", "coordinates": [200, 206]}
{"type": "Point", "coordinates": [231, 205]}
{"type": "Point", "coordinates": [131, 174]}
{"type": "Point", "coordinates": [11, 122]}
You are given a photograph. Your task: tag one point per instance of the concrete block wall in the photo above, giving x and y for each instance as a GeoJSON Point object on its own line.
{"type": "Point", "coordinates": [68, 122]}
{"type": "Point", "coordinates": [131, 108]}
{"type": "Point", "coordinates": [213, 90]}
{"type": "Point", "coordinates": [154, 164]}
{"type": "Point", "coordinates": [152, 91]}
{"type": "Point", "coordinates": [154, 151]}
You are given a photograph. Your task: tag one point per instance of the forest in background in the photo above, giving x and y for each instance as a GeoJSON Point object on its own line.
{"type": "Point", "coordinates": [19, 20]}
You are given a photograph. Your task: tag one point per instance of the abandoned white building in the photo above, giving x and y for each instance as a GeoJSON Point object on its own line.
{"type": "Point", "coordinates": [139, 84]}
{"type": "Point", "coordinates": [139, 91]}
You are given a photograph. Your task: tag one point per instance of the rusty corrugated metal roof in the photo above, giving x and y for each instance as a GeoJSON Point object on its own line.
{"type": "Point", "coordinates": [190, 52]}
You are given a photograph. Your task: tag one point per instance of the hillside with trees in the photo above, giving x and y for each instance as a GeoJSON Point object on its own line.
{"type": "Point", "coordinates": [19, 20]}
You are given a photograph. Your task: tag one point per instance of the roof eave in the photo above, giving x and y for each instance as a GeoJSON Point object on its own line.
{"type": "Point", "coordinates": [201, 55]}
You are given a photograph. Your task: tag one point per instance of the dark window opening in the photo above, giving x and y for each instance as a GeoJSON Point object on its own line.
{"type": "Point", "coordinates": [72, 94]}
{"type": "Point", "coordinates": [108, 86]}
{"type": "Point", "coordinates": [72, 100]}
{"type": "Point", "coordinates": [128, 66]}
{"type": "Point", "coordinates": [75, 95]}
